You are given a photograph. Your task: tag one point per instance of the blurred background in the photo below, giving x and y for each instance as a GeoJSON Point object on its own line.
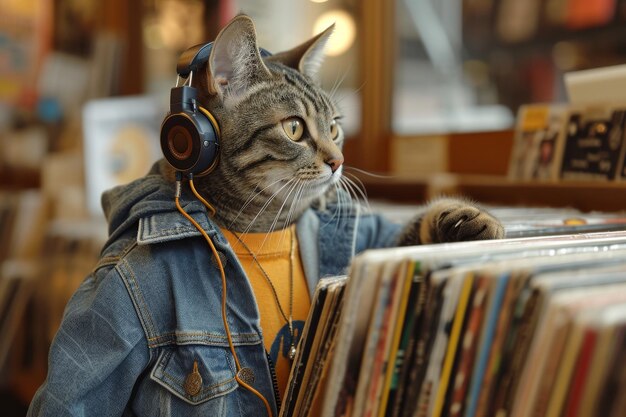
{"type": "Point", "coordinates": [429, 89]}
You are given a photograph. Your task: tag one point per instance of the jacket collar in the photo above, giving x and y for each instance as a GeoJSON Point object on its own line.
{"type": "Point", "coordinates": [169, 226]}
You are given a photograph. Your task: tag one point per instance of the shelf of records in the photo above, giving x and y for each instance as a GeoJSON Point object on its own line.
{"type": "Point", "coordinates": [586, 196]}
{"type": "Point", "coordinates": [42, 262]}
{"type": "Point", "coordinates": [518, 327]}
{"type": "Point", "coordinates": [421, 331]}
{"type": "Point", "coordinates": [570, 143]}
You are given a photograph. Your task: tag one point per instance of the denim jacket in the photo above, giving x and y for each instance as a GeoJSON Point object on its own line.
{"type": "Point", "coordinates": [152, 306]}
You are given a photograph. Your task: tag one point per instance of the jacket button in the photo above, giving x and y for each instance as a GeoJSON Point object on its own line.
{"type": "Point", "coordinates": [246, 375]}
{"type": "Point", "coordinates": [193, 381]}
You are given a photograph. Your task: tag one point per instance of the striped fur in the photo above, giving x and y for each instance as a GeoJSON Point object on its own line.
{"type": "Point", "coordinates": [264, 180]}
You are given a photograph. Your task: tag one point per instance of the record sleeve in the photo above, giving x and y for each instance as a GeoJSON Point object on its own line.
{"type": "Point", "coordinates": [320, 350]}
{"type": "Point", "coordinates": [456, 402]}
{"type": "Point", "coordinates": [550, 338]}
{"type": "Point", "coordinates": [425, 336]}
{"type": "Point", "coordinates": [608, 326]}
{"type": "Point", "coordinates": [611, 401]}
{"type": "Point", "coordinates": [516, 283]}
{"type": "Point", "coordinates": [493, 310]}
{"type": "Point", "coordinates": [361, 375]}
{"type": "Point", "coordinates": [456, 333]}
{"type": "Point", "coordinates": [345, 364]}
{"type": "Point", "coordinates": [538, 143]}
{"type": "Point", "coordinates": [451, 293]}
{"type": "Point", "coordinates": [302, 353]}
{"type": "Point", "coordinates": [415, 301]}
{"type": "Point", "coordinates": [594, 300]}
{"type": "Point", "coordinates": [379, 329]}
{"type": "Point", "coordinates": [390, 367]}
{"type": "Point", "coordinates": [581, 371]}
{"type": "Point", "coordinates": [594, 144]}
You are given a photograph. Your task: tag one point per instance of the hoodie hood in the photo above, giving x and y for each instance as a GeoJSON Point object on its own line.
{"type": "Point", "coordinates": [124, 206]}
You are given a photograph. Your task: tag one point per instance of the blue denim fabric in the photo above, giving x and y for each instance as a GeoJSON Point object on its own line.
{"type": "Point", "coordinates": [152, 306]}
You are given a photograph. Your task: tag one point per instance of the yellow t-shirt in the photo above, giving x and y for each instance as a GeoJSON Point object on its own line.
{"type": "Point", "coordinates": [273, 251]}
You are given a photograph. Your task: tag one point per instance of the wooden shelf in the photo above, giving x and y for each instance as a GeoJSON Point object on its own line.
{"type": "Point", "coordinates": [498, 190]}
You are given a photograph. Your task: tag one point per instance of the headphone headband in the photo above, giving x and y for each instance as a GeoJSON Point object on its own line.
{"type": "Point", "coordinates": [193, 58]}
{"type": "Point", "coordinates": [190, 134]}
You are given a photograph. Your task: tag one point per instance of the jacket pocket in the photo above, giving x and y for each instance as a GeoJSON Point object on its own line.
{"type": "Point", "coordinates": [214, 367]}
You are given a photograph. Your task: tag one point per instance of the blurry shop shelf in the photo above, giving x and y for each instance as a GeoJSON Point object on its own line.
{"type": "Point", "coordinates": [497, 190]}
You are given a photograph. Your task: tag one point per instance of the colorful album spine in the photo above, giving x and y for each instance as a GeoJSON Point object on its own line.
{"type": "Point", "coordinates": [485, 347]}
{"type": "Point", "coordinates": [391, 366]}
{"type": "Point", "coordinates": [468, 352]}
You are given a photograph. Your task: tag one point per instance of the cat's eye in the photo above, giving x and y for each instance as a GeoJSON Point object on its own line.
{"type": "Point", "coordinates": [293, 127]}
{"type": "Point", "coordinates": [334, 129]}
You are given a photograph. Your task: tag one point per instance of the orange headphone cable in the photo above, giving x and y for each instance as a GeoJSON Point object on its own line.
{"type": "Point", "coordinates": [199, 197]}
{"type": "Point", "coordinates": [223, 276]}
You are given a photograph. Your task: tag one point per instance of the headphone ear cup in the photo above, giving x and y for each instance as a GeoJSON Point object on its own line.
{"type": "Point", "coordinates": [189, 142]}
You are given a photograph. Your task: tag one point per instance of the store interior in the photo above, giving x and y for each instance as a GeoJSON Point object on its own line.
{"type": "Point", "coordinates": [430, 93]}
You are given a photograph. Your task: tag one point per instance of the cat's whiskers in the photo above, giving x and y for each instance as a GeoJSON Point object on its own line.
{"type": "Point", "coordinates": [291, 200]}
{"type": "Point", "coordinates": [338, 99]}
{"type": "Point", "coordinates": [267, 203]}
{"type": "Point", "coordinates": [348, 187]}
{"type": "Point", "coordinates": [340, 201]}
{"type": "Point", "coordinates": [292, 184]}
{"type": "Point", "coordinates": [300, 185]}
{"type": "Point", "coordinates": [294, 203]}
{"type": "Point", "coordinates": [340, 197]}
{"type": "Point", "coordinates": [253, 196]}
{"type": "Point", "coordinates": [338, 82]}
{"type": "Point", "coordinates": [356, 181]}
{"type": "Point", "coordinates": [370, 174]}
{"type": "Point", "coordinates": [351, 197]}
{"type": "Point", "coordinates": [292, 207]}
{"type": "Point", "coordinates": [358, 189]}
{"type": "Point", "coordinates": [277, 216]}
{"type": "Point", "coordinates": [346, 199]}
{"type": "Point", "coordinates": [343, 203]}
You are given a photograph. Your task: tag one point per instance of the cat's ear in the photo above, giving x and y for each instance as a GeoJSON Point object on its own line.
{"type": "Point", "coordinates": [235, 62]}
{"type": "Point", "coordinates": [307, 57]}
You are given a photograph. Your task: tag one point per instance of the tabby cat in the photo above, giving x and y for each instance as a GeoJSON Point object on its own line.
{"type": "Point", "coordinates": [158, 329]}
{"type": "Point", "coordinates": [281, 143]}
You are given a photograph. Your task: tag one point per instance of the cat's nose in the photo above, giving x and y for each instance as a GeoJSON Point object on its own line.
{"type": "Point", "coordinates": [334, 163]}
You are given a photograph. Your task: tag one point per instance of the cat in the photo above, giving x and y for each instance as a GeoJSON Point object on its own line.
{"type": "Point", "coordinates": [281, 143]}
{"type": "Point", "coordinates": [146, 332]}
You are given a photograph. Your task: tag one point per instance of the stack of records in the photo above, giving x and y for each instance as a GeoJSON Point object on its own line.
{"type": "Point", "coordinates": [517, 327]}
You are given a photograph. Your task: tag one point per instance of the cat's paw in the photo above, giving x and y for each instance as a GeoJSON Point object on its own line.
{"type": "Point", "coordinates": [451, 220]}
{"type": "Point", "coordinates": [464, 222]}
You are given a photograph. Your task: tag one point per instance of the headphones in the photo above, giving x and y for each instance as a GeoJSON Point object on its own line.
{"type": "Point", "coordinates": [190, 134]}
{"type": "Point", "coordinates": [190, 143]}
